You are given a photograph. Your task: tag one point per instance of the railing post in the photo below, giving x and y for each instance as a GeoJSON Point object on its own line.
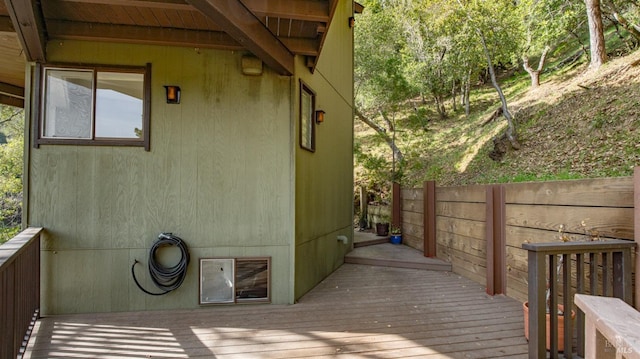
{"type": "Point", "coordinates": [537, 286]}
{"type": "Point", "coordinates": [429, 218]}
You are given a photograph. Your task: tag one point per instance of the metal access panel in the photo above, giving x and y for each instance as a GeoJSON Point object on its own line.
{"type": "Point", "coordinates": [217, 280]}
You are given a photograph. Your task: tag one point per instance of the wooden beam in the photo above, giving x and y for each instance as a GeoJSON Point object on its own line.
{"type": "Point", "coordinates": [301, 46]}
{"type": "Point", "coordinates": [6, 25]}
{"type": "Point", "coordinates": [11, 90]}
{"type": "Point", "coordinates": [11, 101]}
{"type": "Point", "coordinates": [305, 10]}
{"type": "Point", "coordinates": [245, 28]}
{"type": "Point", "coordinates": [496, 240]}
{"type": "Point", "coordinates": [28, 23]}
{"type": "Point", "coordinates": [149, 4]}
{"type": "Point", "coordinates": [396, 206]}
{"type": "Point", "coordinates": [429, 212]}
{"type": "Point", "coordinates": [63, 30]}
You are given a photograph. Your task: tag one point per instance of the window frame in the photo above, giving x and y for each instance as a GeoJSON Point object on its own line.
{"type": "Point", "coordinates": [310, 143]}
{"type": "Point", "coordinates": [39, 111]}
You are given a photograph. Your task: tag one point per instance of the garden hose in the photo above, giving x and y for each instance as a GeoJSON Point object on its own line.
{"type": "Point", "coordinates": [166, 279]}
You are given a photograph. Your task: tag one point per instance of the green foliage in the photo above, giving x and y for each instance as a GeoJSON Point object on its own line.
{"type": "Point", "coordinates": [11, 164]}
{"type": "Point", "coordinates": [419, 51]}
{"type": "Point", "coordinates": [378, 75]}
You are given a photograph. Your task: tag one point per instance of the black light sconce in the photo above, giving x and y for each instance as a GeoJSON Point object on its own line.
{"type": "Point", "coordinates": [319, 116]}
{"type": "Point", "coordinates": [352, 21]}
{"type": "Point", "coordinates": [173, 94]}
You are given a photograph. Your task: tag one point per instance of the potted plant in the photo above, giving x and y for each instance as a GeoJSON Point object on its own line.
{"type": "Point", "coordinates": [382, 227]}
{"type": "Point", "coordinates": [396, 235]}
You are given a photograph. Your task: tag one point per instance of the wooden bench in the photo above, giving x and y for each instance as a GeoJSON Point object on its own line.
{"type": "Point", "coordinates": [612, 328]}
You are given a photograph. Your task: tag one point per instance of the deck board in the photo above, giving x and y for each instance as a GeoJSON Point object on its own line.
{"type": "Point", "coordinates": [359, 311]}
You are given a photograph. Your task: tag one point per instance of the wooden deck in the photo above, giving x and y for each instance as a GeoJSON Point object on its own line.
{"type": "Point", "coordinates": [359, 311]}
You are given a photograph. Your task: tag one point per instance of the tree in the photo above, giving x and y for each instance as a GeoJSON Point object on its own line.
{"type": "Point", "coordinates": [491, 24]}
{"type": "Point", "coordinates": [596, 34]}
{"type": "Point", "coordinates": [379, 80]}
{"type": "Point", "coordinates": [544, 23]}
{"type": "Point", "coordinates": [11, 161]}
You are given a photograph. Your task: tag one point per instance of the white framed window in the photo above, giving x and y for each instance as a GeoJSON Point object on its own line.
{"type": "Point", "coordinates": [94, 105]}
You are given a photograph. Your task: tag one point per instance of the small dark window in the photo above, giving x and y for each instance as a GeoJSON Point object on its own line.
{"type": "Point", "coordinates": [94, 105]}
{"type": "Point", "coordinates": [307, 119]}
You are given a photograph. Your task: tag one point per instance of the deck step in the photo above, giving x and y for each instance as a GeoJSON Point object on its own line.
{"type": "Point", "coordinates": [371, 242]}
{"type": "Point", "coordinates": [395, 255]}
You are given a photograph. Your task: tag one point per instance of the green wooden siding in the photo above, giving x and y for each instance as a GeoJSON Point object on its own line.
{"type": "Point", "coordinates": [324, 179]}
{"type": "Point", "coordinates": [219, 175]}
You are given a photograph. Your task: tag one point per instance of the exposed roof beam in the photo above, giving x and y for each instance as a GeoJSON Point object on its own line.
{"type": "Point", "coordinates": [6, 25]}
{"type": "Point", "coordinates": [11, 101]}
{"type": "Point", "coordinates": [29, 25]}
{"type": "Point", "coordinates": [11, 95]}
{"type": "Point", "coordinates": [244, 27]}
{"type": "Point", "coordinates": [290, 9]}
{"type": "Point", "coordinates": [11, 90]}
{"type": "Point", "coordinates": [141, 35]}
{"type": "Point", "coordinates": [301, 46]}
{"type": "Point", "coordinates": [151, 4]}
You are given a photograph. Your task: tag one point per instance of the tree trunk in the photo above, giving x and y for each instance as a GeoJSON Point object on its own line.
{"type": "Point", "coordinates": [633, 29]}
{"type": "Point", "coordinates": [467, 93]}
{"type": "Point", "coordinates": [511, 129]}
{"type": "Point", "coordinates": [442, 111]}
{"type": "Point", "coordinates": [535, 74]}
{"type": "Point", "coordinates": [453, 96]}
{"type": "Point", "coordinates": [596, 34]}
{"type": "Point", "coordinates": [387, 120]}
{"type": "Point", "coordinates": [383, 133]}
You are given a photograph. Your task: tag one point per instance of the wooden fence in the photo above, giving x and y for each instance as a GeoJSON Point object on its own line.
{"type": "Point", "coordinates": [480, 230]}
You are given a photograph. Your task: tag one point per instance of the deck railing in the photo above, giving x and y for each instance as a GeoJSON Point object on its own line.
{"type": "Point", "coordinates": [19, 290]}
{"type": "Point", "coordinates": [609, 273]}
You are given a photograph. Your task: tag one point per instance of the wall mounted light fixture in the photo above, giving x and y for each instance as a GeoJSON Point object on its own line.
{"type": "Point", "coordinates": [173, 94]}
{"type": "Point", "coordinates": [352, 21]}
{"type": "Point", "coordinates": [319, 116]}
{"type": "Point", "coordinates": [251, 65]}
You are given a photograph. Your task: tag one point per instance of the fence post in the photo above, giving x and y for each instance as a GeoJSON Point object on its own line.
{"type": "Point", "coordinates": [429, 211]}
{"type": "Point", "coordinates": [636, 221]}
{"type": "Point", "coordinates": [496, 240]}
{"type": "Point", "coordinates": [396, 206]}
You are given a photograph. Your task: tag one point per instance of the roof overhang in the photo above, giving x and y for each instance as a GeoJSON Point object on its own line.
{"type": "Point", "coordinates": [275, 30]}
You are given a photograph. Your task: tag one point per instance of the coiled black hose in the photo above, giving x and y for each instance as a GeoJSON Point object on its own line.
{"type": "Point", "coordinates": [166, 279]}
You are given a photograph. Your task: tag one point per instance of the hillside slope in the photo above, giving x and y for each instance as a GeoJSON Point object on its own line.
{"type": "Point", "coordinates": [581, 124]}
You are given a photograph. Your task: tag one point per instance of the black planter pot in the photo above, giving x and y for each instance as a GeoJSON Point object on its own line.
{"type": "Point", "coordinates": [382, 229]}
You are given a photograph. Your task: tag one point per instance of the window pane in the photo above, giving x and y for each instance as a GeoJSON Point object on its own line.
{"type": "Point", "coordinates": [119, 105]}
{"type": "Point", "coordinates": [67, 103]}
{"type": "Point", "coordinates": [306, 119]}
